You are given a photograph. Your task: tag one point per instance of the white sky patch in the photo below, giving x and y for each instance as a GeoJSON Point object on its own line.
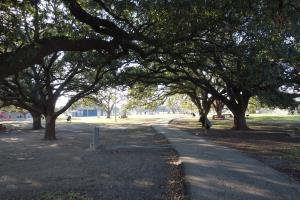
{"type": "Point", "coordinates": [61, 101]}
{"type": "Point", "coordinates": [289, 40]}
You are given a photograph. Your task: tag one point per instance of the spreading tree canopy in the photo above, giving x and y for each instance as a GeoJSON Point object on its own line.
{"type": "Point", "coordinates": [242, 45]}
{"type": "Point", "coordinates": [250, 48]}
{"type": "Point", "coordinates": [72, 75]}
{"type": "Point", "coordinates": [31, 30]}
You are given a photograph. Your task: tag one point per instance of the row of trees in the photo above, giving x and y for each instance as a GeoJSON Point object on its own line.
{"type": "Point", "coordinates": [230, 51]}
{"type": "Point", "coordinates": [225, 52]}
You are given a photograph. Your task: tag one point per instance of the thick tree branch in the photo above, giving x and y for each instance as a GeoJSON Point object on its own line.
{"type": "Point", "coordinates": [13, 62]}
{"type": "Point", "coordinates": [102, 26]}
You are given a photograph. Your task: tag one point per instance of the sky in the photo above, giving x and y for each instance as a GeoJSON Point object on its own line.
{"type": "Point", "coordinates": [62, 100]}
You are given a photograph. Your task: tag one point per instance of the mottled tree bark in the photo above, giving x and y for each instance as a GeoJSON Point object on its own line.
{"type": "Point", "coordinates": [36, 120]}
{"type": "Point", "coordinates": [50, 127]}
{"type": "Point", "coordinates": [239, 120]}
{"type": "Point", "coordinates": [218, 105]}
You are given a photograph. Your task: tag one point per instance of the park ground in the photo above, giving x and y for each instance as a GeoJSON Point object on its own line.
{"type": "Point", "coordinates": [267, 140]}
{"type": "Point", "coordinates": [132, 162]}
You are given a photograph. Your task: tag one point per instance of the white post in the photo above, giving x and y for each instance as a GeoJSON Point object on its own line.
{"type": "Point", "coordinates": [95, 138]}
{"type": "Point", "coordinates": [115, 104]}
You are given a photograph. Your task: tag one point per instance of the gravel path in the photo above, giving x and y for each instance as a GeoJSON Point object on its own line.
{"type": "Point", "coordinates": [132, 163]}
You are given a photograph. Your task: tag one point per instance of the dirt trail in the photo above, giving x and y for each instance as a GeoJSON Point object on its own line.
{"type": "Point", "coordinates": [132, 163]}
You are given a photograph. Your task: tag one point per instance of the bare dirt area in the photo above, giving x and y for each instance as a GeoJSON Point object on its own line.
{"type": "Point", "coordinates": [272, 146]}
{"type": "Point", "coordinates": [132, 162]}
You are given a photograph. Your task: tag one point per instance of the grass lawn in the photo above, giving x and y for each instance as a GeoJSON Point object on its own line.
{"type": "Point", "coordinates": [131, 119]}
{"type": "Point", "coordinates": [111, 121]}
{"type": "Point", "coordinates": [268, 140]}
{"type": "Point", "coordinates": [257, 121]}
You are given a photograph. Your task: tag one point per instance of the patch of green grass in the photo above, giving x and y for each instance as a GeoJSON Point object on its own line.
{"type": "Point", "coordinates": [293, 155]}
{"type": "Point", "coordinates": [258, 121]}
{"type": "Point", "coordinates": [129, 120]}
{"type": "Point", "coordinates": [275, 118]}
{"type": "Point", "coordinates": [255, 121]}
{"type": "Point", "coordinates": [222, 124]}
{"type": "Point", "coordinates": [275, 122]}
{"type": "Point", "coordinates": [67, 196]}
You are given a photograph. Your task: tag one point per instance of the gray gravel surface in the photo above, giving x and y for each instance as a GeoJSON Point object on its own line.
{"type": "Point", "coordinates": [131, 163]}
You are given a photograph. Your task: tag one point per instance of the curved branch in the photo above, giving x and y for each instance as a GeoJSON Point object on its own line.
{"type": "Point", "coordinates": [99, 25]}
{"type": "Point", "coordinates": [13, 62]}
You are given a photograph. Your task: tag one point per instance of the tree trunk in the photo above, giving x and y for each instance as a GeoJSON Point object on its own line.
{"type": "Point", "coordinates": [203, 109]}
{"type": "Point", "coordinates": [239, 120]}
{"type": "Point", "coordinates": [201, 114]}
{"type": "Point", "coordinates": [108, 114]}
{"type": "Point", "coordinates": [218, 105]}
{"type": "Point", "coordinates": [36, 121]}
{"type": "Point", "coordinates": [219, 113]}
{"type": "Point", "coordinates": [50, 127]}
{"type": "Point", "coordinates": [203, 106]}
{"type": "Point", "coordinates": [238, 110]}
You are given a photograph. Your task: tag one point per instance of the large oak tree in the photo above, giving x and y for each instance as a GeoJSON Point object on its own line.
{"type": "Point", "coordinates": [71, 75]}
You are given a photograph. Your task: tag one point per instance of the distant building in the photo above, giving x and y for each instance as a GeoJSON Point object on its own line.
{"type": "Point", "coordinates": [7, 116]}
{"type": "Point", "coordinates": [87, 112]}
